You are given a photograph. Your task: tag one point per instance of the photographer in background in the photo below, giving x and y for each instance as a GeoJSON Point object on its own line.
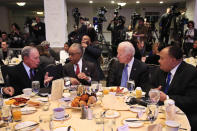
{"type": "Point", "coordinates": [118, 31]}
{"type": "Point", "coordinates": [164, 27]}
{"type": "Point", "coordinates": [190, 36]}
{"type": "Point", "coordinates": [39, 30]}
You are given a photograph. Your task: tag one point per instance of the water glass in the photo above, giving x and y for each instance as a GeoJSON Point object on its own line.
{"type": "Point", "coordinates": [99, 121]}
{"type": "Point", "coordinates": [36, 86]}
{"type": "Point", "coordinates": [67, 82]}
{"type": "Point", "coordinates": [154, 95]}
{"type": "Point", "coordinates": [130, 85]}
{"type": "Point", "coordinates": [1, 100]}
{"type": "Point", "coordinates": [152, 112]}
{"type": "Point", "coordinates": [94, 86]}
{"type": "Point", "coordinates": [45, 122]}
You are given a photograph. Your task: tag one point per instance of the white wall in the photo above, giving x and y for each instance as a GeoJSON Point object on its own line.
{"type": "Point", "coordinates": [190, 5]}
{"type": "Point", "coordinates": [4, 22]}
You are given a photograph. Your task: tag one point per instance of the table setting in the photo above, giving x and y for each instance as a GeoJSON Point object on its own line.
{"type": "Point", "coordinates": [94, 108]}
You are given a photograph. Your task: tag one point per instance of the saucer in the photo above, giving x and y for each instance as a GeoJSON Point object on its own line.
{"type": "Point", "coordinates": [133, 124]}
{"type": "Point", "coordinates": [66, 117]}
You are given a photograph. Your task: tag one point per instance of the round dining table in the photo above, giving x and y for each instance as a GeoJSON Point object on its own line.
{"type": "Point", "coordinates": [77, 124]}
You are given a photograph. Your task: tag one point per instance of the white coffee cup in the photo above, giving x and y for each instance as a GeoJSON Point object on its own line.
{"type": "Point", "coordinates": [172, 126]}
{"type": "Point", "coordinates": [59, 112]}
{"type": "Point", "coordinates": [27, 91]}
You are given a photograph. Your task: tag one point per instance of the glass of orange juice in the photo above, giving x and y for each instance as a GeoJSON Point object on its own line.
{"type": "Point", "coordinates": [16, 113]}
{"type": "Point", "coordinates": [138, 92]}
{"type": "Point", "coordinates": [105, 91]}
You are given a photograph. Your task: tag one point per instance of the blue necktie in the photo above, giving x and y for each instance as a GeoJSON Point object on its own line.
{"type": "Point", "coordinates": [124, 77]}
{"type": "Point", "coordinates": [168, 82]}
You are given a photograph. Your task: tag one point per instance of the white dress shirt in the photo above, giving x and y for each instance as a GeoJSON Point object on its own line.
{"type": "Point", "coordinates": [130, 65]}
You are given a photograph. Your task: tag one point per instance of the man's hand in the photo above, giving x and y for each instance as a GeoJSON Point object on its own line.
{"type": "Point", "coordinates": [47, 79]}
{"type": "Point", "coordinates": [84, 45]}
{"type": "Point", "coordinates": [83, 76]}
{"type": "Point", "coordinates": [74, 81]}
{"type": "Point", "coordinates": [8, 90]}
{"type": "Point", "coordinates": [163, 96]}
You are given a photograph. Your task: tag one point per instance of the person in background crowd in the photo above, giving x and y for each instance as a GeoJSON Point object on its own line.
{"type": "Point", "coordinates": [5, 51]}
{"type": "Point", "coordinates": [164, 27]}
{"type": "Point", "coordinates": [72, 36]}
{"type": "Point", "coordinates": [45, 57]}
{"type": "Point", "coordinates": [92, 53]}
{"type": "Point", "coordinates": [16, 37]}
{"type": "Point", "coordinates": [127, 68]}
{"type": "Point", "coordinates": [4, 37]}
{"type": "Point", "coordinates": [64, 56]}
{"type": "Point", "coordinates": [177, 80]}
{"type": "Point", "coordinates": [153, 57]}
{"type": "Point", "coordinates": [190, 35]}
{"type": "Point", "coordinates": [194, 50]}
{"type": "Point", "coordinates": [46, 45]}
{"type": "Point", "coordinates": [22, 75]}
{"type": "Point", "coordinates": [140, 32]}
{"type": "Point", "coordinates": [39, 30]}
{"type": "Point", "coordinates": [79, 70]}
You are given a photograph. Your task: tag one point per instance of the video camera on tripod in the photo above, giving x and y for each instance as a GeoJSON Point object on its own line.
{"type": "Point", "coordinates": [101, 14]}
{"type": "Point", "coordinates": [76, 15]}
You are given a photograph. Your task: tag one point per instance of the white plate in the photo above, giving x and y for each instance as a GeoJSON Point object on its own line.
{"type": "Point", "coordinates": [25, 124]}
{"type": "Point", "coordinates": [114, 115]}
{"type": "Point", "coordinates": [67, 116]}
{"type": "Point", "coordinates": [133, 124]}
{"type": "Point", "coordinates": [77, 108]}
{"type": "Point", "coordinates": [20, 105]}
{"type": "Point", "coordinates": [63, 129]}
{"type": "Point", "coordinates": [43, 99]}
{"type": "Point", "coordinates": [28, 110]}
{"type": "Point", "coordinates": [134, 93]}
{"type": "Point", "coordinates": [137, 108]}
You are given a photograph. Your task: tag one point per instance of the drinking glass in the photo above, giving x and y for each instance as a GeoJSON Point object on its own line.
{"type": "Point", "coordinates": [45, 122]}
{"type": "Point", "coordinates": [152, 111]}
{"type": "Point", "coordinates": [16, 113]}
{"type": "Point", "coordinates": [94, 86]}
{"type": "Point", "coordinates": [36, 86]}
{"type": "Point", "coordinates": [6, 115]}
{"type": "Point", "coordinates": [1, 100]}
{"type": "Point", "coordinates": [99, 121]}
{"type": "Point", "coordinates": [130, 85]}
{"type": "Point", "coordinates": [67, 82]}
{"type": "Point", "coordinates": [154, 95]}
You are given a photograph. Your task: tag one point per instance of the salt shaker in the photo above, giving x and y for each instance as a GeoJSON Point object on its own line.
{"type": "Point", "coordinates": [89, 113]}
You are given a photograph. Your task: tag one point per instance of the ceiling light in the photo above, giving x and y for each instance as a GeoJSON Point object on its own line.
{"type": "Point", "coordinates": [161, 2]}
{"type": "Point", "coordinates": [39, 12]}
{"type": "Point", "coordinates": [122, 3]}
{"type": "Point", "coordinates": [21, 3]}
{"type": "Point", "coordinates": [90, 1]}
{"type": "Point", "coordinates": [137, 2]}
{"type": "Point", "coordinates": [112, 2]}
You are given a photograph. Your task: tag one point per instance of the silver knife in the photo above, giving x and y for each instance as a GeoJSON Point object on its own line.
{"type": "Point", "coordinates": [135, 120]}
{"type": "Point", "coordinates": [68, 129]}
{"type": "Point", "coordinates": [27, 126]}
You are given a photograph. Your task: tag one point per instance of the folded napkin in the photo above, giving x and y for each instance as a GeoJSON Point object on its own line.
{"type": "Point", "coordinates": [57, 89]}
{"type": "Point", "coordinates": [114, 103]}
{"type": "Point", "coordinates": [155, 127]}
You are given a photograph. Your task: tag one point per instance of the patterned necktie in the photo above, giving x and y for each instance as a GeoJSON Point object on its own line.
{"type": "Point", "coordinates": [77, 70]}
{"type": "Point", "coordinates": [31, 74]}
{"type": "Point", "coordinates": [168, 82]}
{"type": "Point", "coordinates": [124, 76]}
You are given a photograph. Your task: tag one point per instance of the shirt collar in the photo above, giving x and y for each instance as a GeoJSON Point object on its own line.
{"type": "Point", "coordinates": [27, 68]}
{"type": "Point", "coordinates": [130, 64]}
{"type": "Point", "coordinates": [173, 71]}
{"type": "Point", "coordinates": [80, 62]}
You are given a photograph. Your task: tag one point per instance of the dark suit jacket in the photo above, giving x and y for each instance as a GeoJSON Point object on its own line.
{"type": "Point", "coordinates": [19, 79]}
{"type": "Point", "coordinates": [88, 68]}
{"type": "Point", "coordinates": [139, 73]}
{"type": "Point", "coordinates": [183, 88]}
